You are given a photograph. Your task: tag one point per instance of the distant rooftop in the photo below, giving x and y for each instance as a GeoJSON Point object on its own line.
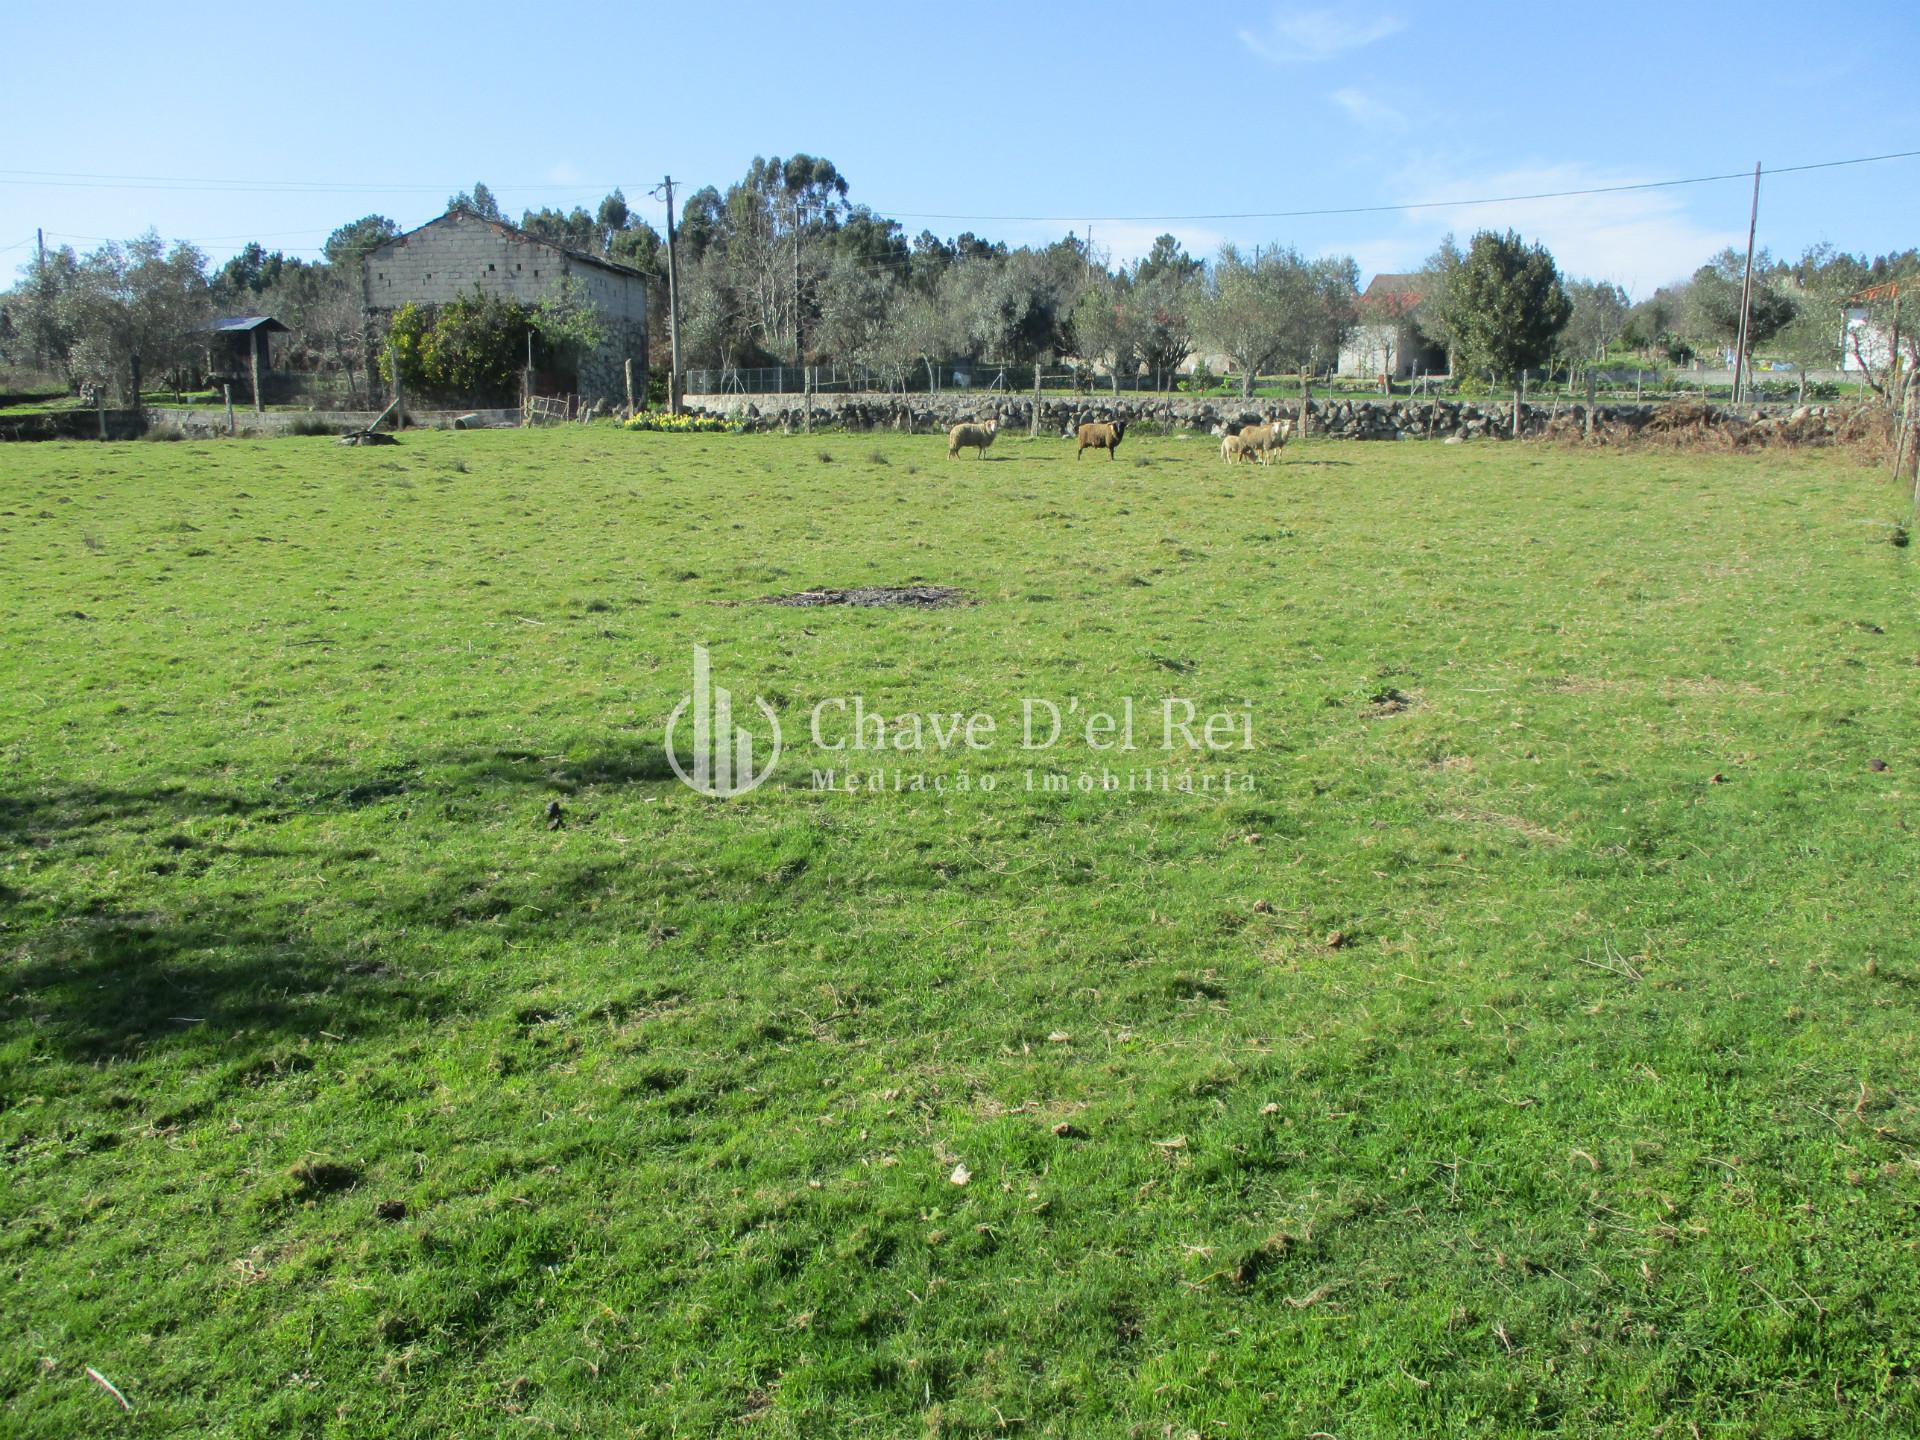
{"type": "Point", "coordinates": [502, 227]}
{"type": "Point", "coordinates": [1382, 285]}
{"type": "Point", "coordinates": [244, 324]}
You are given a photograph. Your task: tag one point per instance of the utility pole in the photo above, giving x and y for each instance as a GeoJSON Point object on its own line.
{"type": "Point", "coordinates": [1746, 290]}
{"type": "Point", "coordinates": [673, 306]}
{"type": "Point", "coordinates": [799, 343]}
{"type": "Point", "coordinates": [40, 281]}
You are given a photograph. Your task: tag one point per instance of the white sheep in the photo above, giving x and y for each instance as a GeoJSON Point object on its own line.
{"type": "Point", "coordinates": [977, 436]}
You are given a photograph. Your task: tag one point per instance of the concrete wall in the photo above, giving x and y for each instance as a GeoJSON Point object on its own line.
{"type": "Point", "coordinates": [448, 258]}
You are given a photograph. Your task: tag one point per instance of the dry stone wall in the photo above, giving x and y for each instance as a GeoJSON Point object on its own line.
{"type": "Point", "coordinates": [1340, 418]}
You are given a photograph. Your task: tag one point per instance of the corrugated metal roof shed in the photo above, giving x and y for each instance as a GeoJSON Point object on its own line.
{"type": "Point", "coordinates": [245, 324]}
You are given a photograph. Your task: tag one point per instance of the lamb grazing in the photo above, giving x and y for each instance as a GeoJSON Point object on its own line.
{"type": "Point", "coordinates": [1232, 448]}
{"type": "Point", "coordinates": [1263, 442]}
{"type": "Point", "coordinates": [1101, 437]}
{"type": "Point", "coordinates": [978, 436]}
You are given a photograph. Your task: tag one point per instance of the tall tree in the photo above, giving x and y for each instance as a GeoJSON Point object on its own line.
{"type": "Point", "coordinates": [1712, 313]}
{"type": "Point", "coordinates": [1599, 311]}
{"type": "Point", "coordinates": [1650, 328]}
{"type": "Point", "coordinates": [138, 305]}
{"type": "Point", "coordinates": [1438, 277]}
{"type": "Point", "coordinates": [350, 243]}
{"type": "Point", "coordinates": [611, 218]}
{"type": "Point", "coordinates": [1277, 311]}
{"type": "Point", "coordinates": [1505, 306]}
{"type": "Point", "coordinates": [1166, 286]}
{"type": "Point", "coordinates": [42, 317]}
{"type": "Point", "coordinates": [248, 273]}
{"type": "Point", "coordinates": [1104, 325]}
{"type": "Point", "coordinates": [477, 201]}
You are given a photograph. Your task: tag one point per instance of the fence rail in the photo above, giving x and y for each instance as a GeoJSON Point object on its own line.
{"type": "Point", "coordinates": [919, 379]}
{"type": "Point", "coordinates": [985, 380]}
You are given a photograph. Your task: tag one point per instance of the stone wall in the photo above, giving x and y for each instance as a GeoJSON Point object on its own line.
{"type": "Point", "coordinates": [446, 259]}
{"type": "Point", "coordinates": [203, 422]}
{"type": "Point", "coordinates": [1341, 418]}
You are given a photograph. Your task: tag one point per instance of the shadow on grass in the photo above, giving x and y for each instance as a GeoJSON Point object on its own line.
{"type": "Point", "coordinates": [174, 947]}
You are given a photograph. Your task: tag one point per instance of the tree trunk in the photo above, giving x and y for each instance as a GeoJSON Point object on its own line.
{"type": "Point", "coordinates": [1516, 412]}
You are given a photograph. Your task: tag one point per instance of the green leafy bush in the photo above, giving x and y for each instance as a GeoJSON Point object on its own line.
{"type": "Point", "coordinates": [473, 349]}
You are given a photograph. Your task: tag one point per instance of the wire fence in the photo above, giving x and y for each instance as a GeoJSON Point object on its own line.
{"type": "Point", "coordinates": [1613, 386]}
{"type": "Point", "coordinates": [924, 377]}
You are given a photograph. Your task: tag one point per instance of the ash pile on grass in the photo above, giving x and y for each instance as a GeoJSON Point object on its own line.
{"type": "Point", "coordinates": [919, 597]}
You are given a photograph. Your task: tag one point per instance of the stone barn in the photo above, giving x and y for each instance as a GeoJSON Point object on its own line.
{"type": "Point", "coordinates": [446, 259]}
{"type": "Point", "coordinates": [1387, 341]}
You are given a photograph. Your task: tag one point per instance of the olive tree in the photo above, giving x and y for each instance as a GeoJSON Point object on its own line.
{"type": "Point", "coordinates": [1277, 310]}
{"type": "Point", "coordinates": [1712, 310]}
{"type": "Point", "coordinates": [135, 309]}
{"type": "Point", "coordinates": [1599, 312]}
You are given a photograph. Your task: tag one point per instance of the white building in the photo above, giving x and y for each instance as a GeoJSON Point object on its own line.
{"type": "Point", "coordinates": [1864, 340]}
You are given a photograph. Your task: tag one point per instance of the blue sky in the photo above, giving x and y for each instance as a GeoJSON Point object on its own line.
{"type": "Point", "coordinates": [1108, 115]}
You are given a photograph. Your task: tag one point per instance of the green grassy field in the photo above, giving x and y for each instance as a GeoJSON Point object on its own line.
{"type": "Point", "coordinates": [1530, 1051]}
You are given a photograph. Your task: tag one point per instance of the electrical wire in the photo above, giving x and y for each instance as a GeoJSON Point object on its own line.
{"type": "Point", "coordinates": [86, 179]}
{"type": "Point", "coordinates": [1410, 205]}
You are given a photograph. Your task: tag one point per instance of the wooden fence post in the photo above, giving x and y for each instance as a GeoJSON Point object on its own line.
{"type": "Point", "coordinates": [1306, 402]}
{"type": "Point", "coordinates": [630, 411]}
{"type": "Point", "coordinates": [399, 391]}
{"type": "Point", "coordinates": [226, 393]}
{"type": "Point", "coordinates": [259, 405]}
{"type": "Point", "coordinates": [1591, 392]}
{"type": "Point", "coordinates": [1902, 425]}
{"type": "Point", "coordinates": [1033, 421]}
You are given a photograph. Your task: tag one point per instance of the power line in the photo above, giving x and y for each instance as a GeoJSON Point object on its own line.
{"type": "Point", "coordinates": [1411, 205]}
{"type": "Point", "coordinates": [206, 239]}
{"type": "Point", "coordinates": [85, 179]}
{"type": "Point", "coordinates": [105, 180]}
{"type": "Point", "coordinates": [869, 264]}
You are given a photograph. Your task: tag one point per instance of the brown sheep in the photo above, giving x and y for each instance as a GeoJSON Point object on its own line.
{"type": "Point", "coordinates": [1265, 441]}
{"type": "Point", "coordinates": [1101, 437]}
{"type": "Point", "coordinates": [977, 436]}
{"type": "Point", "coordinates": [1232, 448]}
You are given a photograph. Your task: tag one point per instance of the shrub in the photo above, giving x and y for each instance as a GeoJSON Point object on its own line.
{"type": "Point", "coordinates": [472, 349]}
{"type": "Point", "coordinates": [660, 421]}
